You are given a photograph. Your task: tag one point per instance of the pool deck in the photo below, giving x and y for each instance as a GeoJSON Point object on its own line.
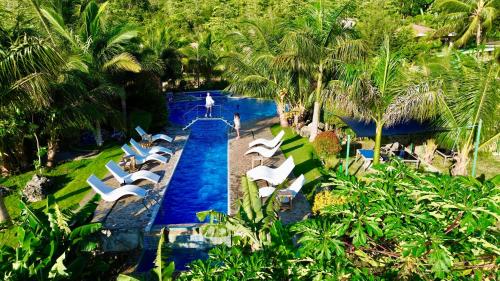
{"type": "Point", "coordinates": [239, 164]}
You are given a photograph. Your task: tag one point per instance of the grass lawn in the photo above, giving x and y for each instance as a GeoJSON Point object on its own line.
{"type": "Point", "coordinates": [304, 157]}
{"type": "Point", "coordinates": [70, 186]}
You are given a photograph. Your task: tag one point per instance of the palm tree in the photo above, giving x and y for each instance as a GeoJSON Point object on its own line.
{"type": "Point", "coordinates": [322, 41]}
{"type": "Point", "coordinates": [253, 68]}
{"type": "Point", "coordinates": [379, 91]}
{"type": "Point", "coordinates": [472, 94]}
{"type": "Point", "coordinates": [469, 18]}
{"type": "Point", "coordinates": [100, 49]}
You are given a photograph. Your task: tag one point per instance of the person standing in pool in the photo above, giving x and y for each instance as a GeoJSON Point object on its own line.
{"type": "Point", "coordinates": [237, 124]}
{"type": "Point", "coordinates": [209, 103]}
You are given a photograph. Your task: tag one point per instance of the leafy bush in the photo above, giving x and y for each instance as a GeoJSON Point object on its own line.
{"type": "Point", "coordinates": [327, 144]}
{"type": "Point", "coordinates": [400, 224]}
{"type": "Point", "coordinates": [54, 244]}
{"type": "Point", "coordinates": [324, 199]}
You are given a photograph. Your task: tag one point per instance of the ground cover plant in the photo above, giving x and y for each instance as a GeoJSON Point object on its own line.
{"type": "Point", "coordinates": [398, 224]}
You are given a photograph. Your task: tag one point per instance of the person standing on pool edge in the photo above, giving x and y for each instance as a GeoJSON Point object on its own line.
{"type": "Point", "coordinates": [237, 124]}
{"type": "Point", "coordinates": [209, 103]}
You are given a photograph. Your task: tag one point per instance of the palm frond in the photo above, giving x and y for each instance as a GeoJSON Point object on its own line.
{"type": "Point", "coordinates": [123, 62]}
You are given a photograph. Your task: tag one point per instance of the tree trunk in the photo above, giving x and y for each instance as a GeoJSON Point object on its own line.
{"type": "Point", "coordinates": [98, 134]}
{"type": "Point", "coordinates": [460, 166]}
{"type": "Point", "coordinates": [317, 105]}
{"type": "Point", "coordinates": [52, 148]}
{"type": "Point", "coordinates": [123, 101]}
{"type": "Point", "coordinates": [280, 107]}
{"type": "Point", "coordinates": [315, 121]}
{"type": "Point", "coordinates": [430, 147]}
{"type": "Point", "coordinates": [378, 142]}
{"type": "Point", "coordinates": [478, 34]}
{"type": "Point", "coordinates": [4, 214]}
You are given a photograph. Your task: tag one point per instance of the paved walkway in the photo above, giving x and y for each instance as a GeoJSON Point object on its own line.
{"type": "Point", "coordinates": [239, 164]}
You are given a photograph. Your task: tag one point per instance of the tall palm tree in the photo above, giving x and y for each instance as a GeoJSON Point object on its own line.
{"type": "Point", "coordinates": [469, 17]}
{"type": "Point", "coordinates": [100, 49]}
{"type": "Point", "coordinates": [381, 92]}
{"type": "Point", "coordinates": [322, 41]}
{"type": "Point", "coordinates": [26, 68]}
{"type": "Point", "coordinates": [253, 69]}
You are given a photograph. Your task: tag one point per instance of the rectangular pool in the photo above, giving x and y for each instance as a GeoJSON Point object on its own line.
{"type": "Point", "coordinates": [200, 181]}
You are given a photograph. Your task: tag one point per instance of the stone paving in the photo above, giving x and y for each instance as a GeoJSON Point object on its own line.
{"type": "Point", "coordinates": [239, 164]}
{"type": "Point", "coordinates": [128, 217]}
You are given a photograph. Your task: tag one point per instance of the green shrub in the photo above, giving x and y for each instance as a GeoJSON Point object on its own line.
{"type": "Point", "coordinates": [140, 118]}
{"type": "Point", "coordinates": [327, 147]}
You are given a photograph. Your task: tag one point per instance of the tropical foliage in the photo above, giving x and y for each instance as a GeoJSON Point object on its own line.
{"type": "Point", "coordinates": [55, 244]}
{"type": "Point", "coordinates": [399, 224]}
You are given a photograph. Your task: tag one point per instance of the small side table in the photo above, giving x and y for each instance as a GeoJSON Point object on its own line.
{"type": "Point", "coordinates": [285, 194]}
{"type": "Point", "coordinates": [129, 164]}
{"type": "Point", "coordinates": [257, 158]}
{"type": "Point", "coordinates": [147, 140]}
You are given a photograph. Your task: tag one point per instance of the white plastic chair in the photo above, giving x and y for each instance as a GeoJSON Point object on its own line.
{"type": "Point", "coordinates": [125, 178]}
{"type": "Point", "coordinates": [147, 151]}
{"type": "Point", "coordinates": [139, 159]}
{"type": "Point", "coordinates": [269, 143]}
{"type": "Point", "coordinates": [155, 137]}
{"type": "Point", "coordinates": [273, 176]}
{"type": "Point", "coordinates": [263, 151]}
{"type": "Point", "coordinates": [112, 194]}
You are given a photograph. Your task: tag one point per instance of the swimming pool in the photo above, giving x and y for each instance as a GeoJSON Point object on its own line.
{"type": "Point", "coordinates": [200, 180]}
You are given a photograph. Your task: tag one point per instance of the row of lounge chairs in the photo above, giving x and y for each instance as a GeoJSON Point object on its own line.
{"type": "Point", "coordinates": [274, 176]}
{"type": "Point", "coordinates": [126, 180]}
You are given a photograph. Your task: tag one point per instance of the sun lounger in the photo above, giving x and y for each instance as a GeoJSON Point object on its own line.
{"type": "Point", "coordinates": [293, 189]}
{"type": "Point", "coordinates": [390, 149]}
{"type": "Point", "coordinates": [446, 154]}
{"type": "Point", "coordinates": [263, 151]}
{"type": "Point", "coordinates": [112, 194]}
{"type": "Point", "coordinates": [408, 157]}
{"type": "Point", "coordinates": [125, 178]}
{"type": "Point", "coordinates": [273, 176]}
{"type": "Point", "coordinates": [139, 159]}
{"type": "Point", "coordinates": [269, 143]}
{"type": "Point", "coordinates": [147, 151]}
{"type": "Point", "coordinates": [155, 137]}
{"type": "Point", "coordinates": [367, 156]}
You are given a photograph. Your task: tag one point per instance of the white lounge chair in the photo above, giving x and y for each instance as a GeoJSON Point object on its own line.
{"type": "Point", "coordinates": [112, 194]}
{"type": "Point", "coordinates": [273, 176]}
{"type": "Point", "coordinates": [269, 143]}
{"type": "Point", "coordinates": [293, 189]}
{"type": "Point", "coordinates": [139, 159]}
{"type": "Point", "coordinates": [263, 151]}
{"type": "Point", "coordinates": [155, 137]}
{"type": "Point", "coordinates": [152, 150]}
{"type": "Point", "coordinates": [125, 178]}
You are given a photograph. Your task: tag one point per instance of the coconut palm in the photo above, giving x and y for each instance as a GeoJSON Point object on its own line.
{"type": "Point", "coordinates": [472, 94]}
{"type": "Point", "coordinates": [322, 42]}
{"type": "Point", "coordinates": [100, 49]}
{"type": "Point", "coordinates": [381, 92]}
{"type": "Point", "coordinates": [469, 17]}
{"type": "Point", "coordinates": [253, 69]}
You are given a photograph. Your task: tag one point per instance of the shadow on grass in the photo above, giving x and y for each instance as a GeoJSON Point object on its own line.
{"type": "Point", "coordinates": [306, 166]}
{"type": "Point", "coordinates": [73, 193]}
{"type": "Point", "coordinates": [290, 140]}
{"type": "Point", "coordinates": [58, 182]}
{"type": "Point", "coordinates": [290, 149]}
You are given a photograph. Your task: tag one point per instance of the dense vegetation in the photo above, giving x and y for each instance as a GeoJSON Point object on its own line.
{"type": "Point", "coordinates": [70, 69]}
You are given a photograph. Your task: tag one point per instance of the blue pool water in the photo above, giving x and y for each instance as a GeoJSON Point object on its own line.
{"type": "Point", "coordinates": [200, 179]}
{"type": "Point", "coordinates": [249, 109]}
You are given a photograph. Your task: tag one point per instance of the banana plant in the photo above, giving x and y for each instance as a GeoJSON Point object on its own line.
{"type": "Point", "coordinates": [52, 244]}
{"type": "Point", "coordinates": [250, 225]}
